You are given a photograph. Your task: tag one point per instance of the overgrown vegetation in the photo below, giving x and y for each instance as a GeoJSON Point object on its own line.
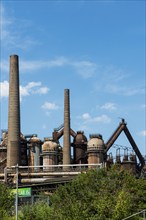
{"type": "Point", "coordinates": [95, 195]}
{"type": "Point", "coordinates": [100, 194]}
{"type": "Point", "coordinates": [6, 202]}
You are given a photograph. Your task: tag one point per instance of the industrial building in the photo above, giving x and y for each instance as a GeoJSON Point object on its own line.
{"type": "Point", "coordinates": [40, 161]}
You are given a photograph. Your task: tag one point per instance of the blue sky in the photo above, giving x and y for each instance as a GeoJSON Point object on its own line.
{"type": "Point", "coordinates": [94, 48]}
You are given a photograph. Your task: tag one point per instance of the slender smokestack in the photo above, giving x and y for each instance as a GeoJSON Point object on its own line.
{"type": "Point", "coordinates": [13, 148]}
{"type": "Point", "coordinates": [66, 147]}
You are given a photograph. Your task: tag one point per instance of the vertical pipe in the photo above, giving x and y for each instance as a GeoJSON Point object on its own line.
{"type": "Point", "coordinates": [66, 145]}
{"type": "Point", "coordinates": [13, 147]}
{"type": "Point", "coordinates": [37, 155]}
{"type": "Point", "coordinates": [17, 167]}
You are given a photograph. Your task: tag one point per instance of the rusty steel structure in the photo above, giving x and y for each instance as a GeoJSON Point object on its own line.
{"type": "Point", "coordinates": [80, 147]}
{"type": "Point", "coordinates": [123, 127]}
{"type": "Point", "coordinates": [47, 159]}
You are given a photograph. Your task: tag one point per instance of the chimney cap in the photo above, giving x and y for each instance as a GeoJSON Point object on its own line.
{"type": "Point", "coordinates": [14, 55]}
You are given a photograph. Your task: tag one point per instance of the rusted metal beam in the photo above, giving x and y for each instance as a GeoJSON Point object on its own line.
{"type": "Point", "coordinates": [115, 135]}
{"type": "Point", "coordinates": [135, 148]}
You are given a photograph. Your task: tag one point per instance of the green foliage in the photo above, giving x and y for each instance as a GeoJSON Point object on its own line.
{"type": "Point", "coordinates": [95, 195]}
{"type": "Point", "coordinates": [6, 201]}
{"type": "Point", "coordinates": [99, 194]}
{"type": "Point", "coordinates": [38, 211]}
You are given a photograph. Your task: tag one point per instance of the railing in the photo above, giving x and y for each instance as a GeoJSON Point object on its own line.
{"type": "Point", "coordinates": [143, 212]}
{"type": "Point", "coordinates": [59, 128]}
{"type": "Point", "coordinates": [54, 168]}
{"type": "Point", "coordinates": [45, 172]}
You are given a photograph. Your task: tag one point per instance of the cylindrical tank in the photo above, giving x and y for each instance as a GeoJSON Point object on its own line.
{"type": "Point", "coordinates": [80, 148]}
{"type": "Point", "coordinates": [118, 157]}
{"type": "Point", "coordinates": [95, 149]}
{"type": "Point", "coordinates": [35, 145]}
{"type": "Point", "coordinates": [125, 158]}
{"type": "Point", "coordinates": [49, 153]}
{"type": "Point", "coordinates": [23, 155]}
{"type": "Point", "coordinates": [110, 160]}
{"type": "Point", "coordinates": [60, 155]}
{"type": "Point", "coordinates": [129, 163]}
{"type": "Point", "coordinates": [13, 149]}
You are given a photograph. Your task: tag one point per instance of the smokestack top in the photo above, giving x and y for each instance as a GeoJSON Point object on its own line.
{"type": "Point", "coordinates": [14, 59]}
{"type": "Point", "coordinates": [13, 55]}
{"type": "Point", "coordinates": [66, 90]}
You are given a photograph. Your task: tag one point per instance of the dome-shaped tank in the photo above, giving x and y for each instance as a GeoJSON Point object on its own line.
{"type": "Point", "coordinates": [80, 148]}
{"type": "Point", "coordinates": [49, 153]}
{"type": "Point", "coordinates": [80, 138]}
{"type": "Point", "coordinates": [95, 149]}
{"type": "Point", "coordinates": [95, 142]}
{"type": "Point", "coordinates": [49, 146]}
{"type": "Point", "coordinates": [34, 139]}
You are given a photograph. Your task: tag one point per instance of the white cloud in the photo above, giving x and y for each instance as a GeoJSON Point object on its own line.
{"type": "Point", "coordinates": [12, 33]}
{"type": "Point", "coordinates": [29, 89]}
{"type": "Point", "coordinates": [39, 64]}
{"type": "Point", "coordinates": [42, 90]}
{"type": "Point", "coordinates": [24, 91]}
{"type": "Point", "coordinates": [87, 122]}
{"type": "Point", "coordinates": [123, 90]}
{"type": "Point", "coordinates": [84, 68]}
{"type": "Point", "coordinates": [109, 106]}
{"type": "Point", "coordinates": [3, 21]}
{"type": "Point", "coordinates": [102, 118]}
{"type": "Point", "coordinates": [49, 106]}
{"type": "Point", "coordinates": [33, 88]}
{"type": "Point", "coordinates": [115, 80]}
{"type": "Point", "coordinates": [113, 74]}
{"type": "Point", "coordinates": [86, 116]}
{"type": "Point", "coordinates": [4, 89]}
{"type": "Point", "coordinates": [59, 61]}
{"type": "Point", "coordinates": [4, 66]}
{"type": "Point", "coordinates": [142, 133]}
{"type": "Point", "coordinates": [31, 85]}
{"type": "Point", "coordinates": [110, 76]}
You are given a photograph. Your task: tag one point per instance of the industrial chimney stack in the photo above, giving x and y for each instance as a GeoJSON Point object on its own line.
{"type": "Point", "coordinates": [66, 146]}
{"type": "Point", "coordinates": [13, 148]}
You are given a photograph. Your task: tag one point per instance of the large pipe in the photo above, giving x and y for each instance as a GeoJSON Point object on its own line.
{"type": "Point", "coordinates": [13, 148]}
{"type": "Point", "coordinates": [43, 180]}
{"type": "Point", "coordinates": [47, 174]}
{"type": "Point", "coordinates": [66, 146]}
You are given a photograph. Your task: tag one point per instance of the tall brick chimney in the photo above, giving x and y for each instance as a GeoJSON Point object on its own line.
{"type": "Point", "coordinates": [13, 148]}
{"type": "Point", "coordinates": [66, 145]}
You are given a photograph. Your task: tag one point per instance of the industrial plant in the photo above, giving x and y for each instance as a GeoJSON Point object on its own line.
{"type": "Point", "coordinates": [44, 161]}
